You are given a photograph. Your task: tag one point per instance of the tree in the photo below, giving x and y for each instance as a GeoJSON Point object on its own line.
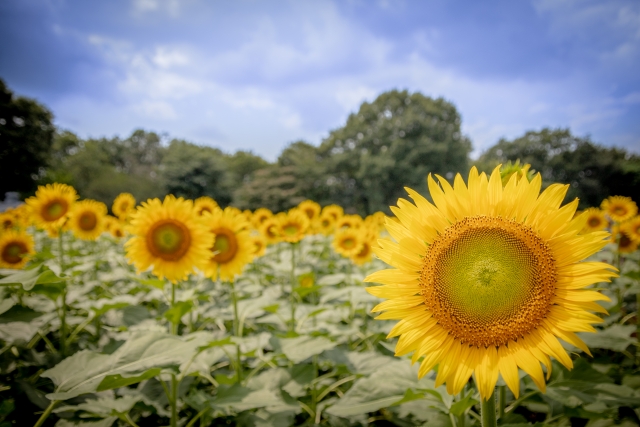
{"type": "Point", "coordinates": [26, 135]}
{"type": "Point", "coordinates": [192, 171]}
{"type": "Point", "coordinates": [593, 171]}
{"type": "Point", "coordinates": [393, 142]}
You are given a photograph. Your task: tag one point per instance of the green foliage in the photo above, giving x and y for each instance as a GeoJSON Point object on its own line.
{"type": "Point", "coordinates": [26, 137]}
{"type": "Point", "coordinates": [393, 142]}
{"type": "Point", "coordinates": [594, 172]}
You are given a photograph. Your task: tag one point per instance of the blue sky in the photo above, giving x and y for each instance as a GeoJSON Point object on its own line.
{"type": "Point", "coordinates": [257, 75]}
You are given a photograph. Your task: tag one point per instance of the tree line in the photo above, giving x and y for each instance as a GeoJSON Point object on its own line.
{"type": "Point", "coordinates": [392, 142]}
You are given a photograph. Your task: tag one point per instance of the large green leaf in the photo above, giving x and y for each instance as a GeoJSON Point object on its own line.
{"type": "Point", "coordinates": [616, 337]}
{"type": "Point", "coordinates": [85, 371]}
{"type": "Point", "coordinates": [29, 278]}
{"type": "Point", "coordinates": [300, 348]}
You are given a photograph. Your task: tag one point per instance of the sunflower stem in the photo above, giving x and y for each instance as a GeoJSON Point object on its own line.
{"type": "Point", "coordinates": [46, 413]}
{"type": "Point", "coordinates": [502, 402]}
{"type": "Point", "coordinates": [173, 399]}
{"type": "Point", "coordinates": [293, 286]}
{"type": "Point", "coordinates": [488, 411]}
{"type": "Point", "coordinates": [63, 305]}
{"type": "Point", "coordinates": [236, 331]}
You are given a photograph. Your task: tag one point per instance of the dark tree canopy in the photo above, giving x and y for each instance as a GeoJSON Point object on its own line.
{"type": "Point", "coordinates": [594, 172]}
{"type": "Point", "coordinates": [26, 136]}
{"type": "Point", "coordinates": [393, 142]}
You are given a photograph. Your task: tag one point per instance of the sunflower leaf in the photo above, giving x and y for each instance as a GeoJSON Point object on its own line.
{"type": "Point", "coordinates": [29, 278]}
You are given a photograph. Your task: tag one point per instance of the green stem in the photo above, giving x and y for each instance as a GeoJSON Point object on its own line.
{"type": "Point", "coordinates": [197, 417]}
{"type": "Point", "coordinates": [174, 327]}
{"type": "Point", "coordinates": [236, 332]}
{"type": "Point", "coordinates": [46, 413]}
{"type": "Point", "coordinates": [63, 307]}
{"type": "Point", "coordinates": [293, 286]}
{"type": "Point", "coordinates": [174, 401]}
{"type": "Point", "coordinates": [502, 400]}
{"type": "Point", "coordinates": [488, 411]}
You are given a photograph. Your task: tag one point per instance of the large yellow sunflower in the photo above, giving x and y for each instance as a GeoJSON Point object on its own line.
{"type": "Point", "coordinates": [619, 208]}
{"type": "Point", "coordinates": [123, 205]}
{"type": "Point", "coordinates": [596, 220]}
{"type": "Point", "coordinates": [347, 242]}
{"type": "Point", "coordinates": [311, 209]}
{"type": "Point", "coordinates": [293, 226]}
{"type": "Point", "coordinates": [489, 279]}
{"type": "Point", "coordinates": [232, 248]}
{"type": "Point", "coordinates": [632, 228]}
{"type": "Point", "coordinates": [15, 249]}
{"type": "Point", "coordinates": [169, 236]}
{"type": "Point", "coordinates": [87, 219]}
{"type": "Point", "coordinates": [205, 204]}
{"type": "Point", "coordinates": [51, 204]}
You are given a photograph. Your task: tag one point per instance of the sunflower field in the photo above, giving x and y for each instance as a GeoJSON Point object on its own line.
{"type": "Point", "coordinates": [490, 301]}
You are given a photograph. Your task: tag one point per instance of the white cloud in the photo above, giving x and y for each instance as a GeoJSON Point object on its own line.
{"type": "Point", "coordinates": [171, 7]}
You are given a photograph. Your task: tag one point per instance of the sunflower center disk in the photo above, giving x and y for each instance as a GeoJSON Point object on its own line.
{"type": "Point", "coordinates": [88, 221]}
{"type": "Point", "coordinates": [13, 252]}
{"type": "Point", "coordinates": [290, 230]}
{"type": "Point", "coordinates": [226, 245]}
{"type": "Point", "coordinates": [169, 240]}
{"type": "Point", "coordinates": [488, 280]}
{"type": "Point", "coordinates": [54, 210]}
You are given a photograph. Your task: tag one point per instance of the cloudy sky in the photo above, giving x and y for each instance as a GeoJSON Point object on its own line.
{"type": "Point", "coordinates": [257, 75]}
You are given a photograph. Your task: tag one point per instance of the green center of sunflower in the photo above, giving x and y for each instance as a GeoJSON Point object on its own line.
{"type": "Point", "coordinates": [488, 280]}
{"type": "Point", "coordinates": [13, 252]}
{"type": "Point", "coordinates": [225, 245]}
{"type": "Point", "coordinates": [88, 221]}
{"type": "Point", "coordinates": [348, 243]}
{"type": "Point", "coordinates": [290, 230]}
{"type": "Point", "coordinates": [169, 240]}
{"type": "Point", "coordinates": [54, 210]}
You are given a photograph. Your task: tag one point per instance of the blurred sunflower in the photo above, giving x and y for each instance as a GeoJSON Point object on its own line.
{"type": "Point", "coordinates": [349, 221]}
{"type": "Point", "coordinates": [117, 230]}
{"type": "Point", "coordinates": [368, 238]}
{"type": "Point", "coordinates": [596, 221]}
{"type": "Point", "coordinates": [326, 223]}
{"type": "Point", "coordinates": [51, 204]}
{"type": "Point", "coordinates": [87, 219]}
{"type": "Point", "coordinates": [232, 247]}
{"type": "Point", "coordinates": [123, 205]}
{"type": "Point", "coordinates": [311, 209]}
{"type": "Point", "coordinates": [619, 208]}
{"type": "Point", "coordinates": [270, 229]}
{"type": "Point", "coordinates": [293, 226]}
{"type": "Point", "coordinates": [334, 210]}
{"type": "Point", "coordinates": [7, 221]}
{"type": "Point", "coordinates": [621, 237]}
{"type": "Point", "coordinates": [489, 279]}
{"type": "Point", "coordinates": [15, 249]}
{"type": "Point", "coordinates": [205, 204]}
{"type": "Point", "coordinates": [260, 216]}
{"type": "Point", "coordinates": [259, 245]}
{"type": "Point", "coordinates": [632, 228]}
{"type": "Point", "coordinates": [170, 236]}
{"type": "Point", "coordinates": [347, 242]}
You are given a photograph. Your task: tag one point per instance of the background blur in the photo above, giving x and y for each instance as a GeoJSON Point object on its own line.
{"type": "Point", "coordinates": [259, 103]}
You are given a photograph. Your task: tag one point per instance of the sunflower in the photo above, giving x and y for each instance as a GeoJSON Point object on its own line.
{"type": "Point", "coordinates": [232, 248]}
{"type": "Point", "coordinates": [260, 216]}
{"type": "Point", "coordinates": [632, 228]}
{"type": "Point", "coordinates": [205, 204]}
{"type": "Point", "coordinates": [334, 210]}
{"type": "Point", "coordinates": [621, 237]}
{"type": "Point", "coordinates": [117, 230]}
{"type": "Point", "coordinates": [311, 209]}
{"type": "Point", "coordinates": [124, 205]}
{"type": "Point", "coordinates": [15, 249]}
{"type": "Point", "coordinates": [170, 236]}
{"type": "Point", "coordinates": [619, 208]}
{"type": "Point", "coordinates": [87, 219]}
{"type": "Point", "coordinates": [259, 245]}
{"type": "Point", "coordinates": [368, 238]}
{"type": "Point", "coordinates": [489, 279]}
{"type": "Point", "coordinates": [596, 220]}
{"type": "Point", "coordinates": [349, 221]}
{"type": "Point", "coordinates": [347, 242]}
{"type": "Point", "coordinates": [293, 226]}
{"type": "Point", "coordinates": [270, 229]}
{"type": "Point", "coordinates": [51, 204]}
{"type": "Point", "coordinates": [325, 224]}
{"type": "Point", "coordinates": [8, 221]}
